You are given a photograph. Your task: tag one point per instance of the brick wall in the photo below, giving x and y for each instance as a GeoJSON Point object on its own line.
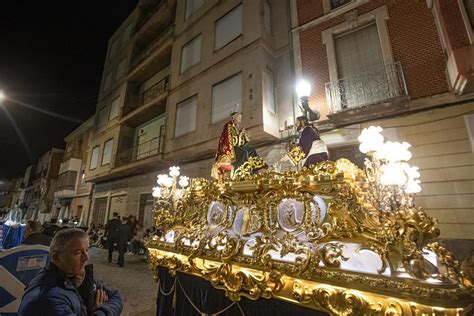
{"type": "Point", "coordinates": [414, 40]}
{"type": "Point", "coordinates": [453, 24]}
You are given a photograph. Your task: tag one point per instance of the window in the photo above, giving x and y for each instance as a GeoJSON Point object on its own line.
{"type": "Point", "coordinates": [186, 117]}
{"type": "Point", "coordinates": [190, 53]}
{"type": "Point", "coordinates": [192, 6]}
{"type": "Point", "coordinates": [114, 108]}
{"type": "Point", "coordinates": [113, 48]}
{"type": "Point", "coordinates": [228, 27]}
{"type": "Point", "coordinates": [102, 120]}
{"type": "Point", "coordinates": [226, 96]}
{"type": "Point", "coordinates": [107, 81]}
{"type": "Point", "coordinates": [337, 3]}
{"type": "Point", "coordinates": [107, 151]}
{"type": "Point", "coordinates": [127, 33]}
{"type": "Point", "coordinates": [94, 157]}
{"type": "Point", "coordinates": [267, 16]}
{"type": "Point", "coordinates": [269, 91]}
{"type": "Point", "coordinates": [358, 52]}
{"type": "Point", "coordinates": [120, 70]}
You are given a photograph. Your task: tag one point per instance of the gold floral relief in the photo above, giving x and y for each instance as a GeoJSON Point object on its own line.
{"type": "Point", "coordinates": [300, 236]}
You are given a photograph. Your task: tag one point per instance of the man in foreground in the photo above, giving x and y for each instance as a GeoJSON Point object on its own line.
{"type": "Point", "coordinates": [64, 287]}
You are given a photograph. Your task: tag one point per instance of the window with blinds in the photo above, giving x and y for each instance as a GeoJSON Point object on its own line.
{"type": "Point", "coordinates": [107, 81]}
{"type": "Point", "coordinates": [102, 119]}
{"type": "Point", "coordinates": [360, 66]}
{"type": "Point", "coordinates": [191, 7]}
{"type": "Point", "coordinates": [107, 151]}
{"type": "Point", "coordinates": [226, 98]}
{"type": "Point", "coordinates": [114, 108]}
{"type": "Point", "coordinates": [228, 28]}
{"type": "Point", "coordinates": [190, 54]}
{"type": "Point", "coordinates": [94, 157]}
{"type": "Point", "coordinates": [186, 112]}
{"type": "Point", "coordinates": [120, 70]}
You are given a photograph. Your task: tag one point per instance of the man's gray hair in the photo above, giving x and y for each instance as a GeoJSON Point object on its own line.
{"type": "Point", "coordinates": [63, 238]}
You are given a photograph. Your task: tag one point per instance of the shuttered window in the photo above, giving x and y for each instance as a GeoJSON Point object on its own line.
{"type": "Point", "coordinates": [186, 112]}
{"type": "Point", "coordinates": [114, 108]}
{"type": "Point", "coordinates": [94, 157]}
{"type": "Point", "coordinates": [190, 53]}
{"type": "Point", "coordinates": [226, 98]}
{"type": "Point", "coordinates": [192, 6]}
{"type": "Point", "coordinates": [107, 151]}
{"type": "Point", "coordinates": [469, 5]}
{"type": "Point", "coordinates": [228, 27]}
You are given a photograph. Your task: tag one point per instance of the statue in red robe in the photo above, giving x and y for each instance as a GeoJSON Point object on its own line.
{"type": "Point", "coordinates": [233, 149]}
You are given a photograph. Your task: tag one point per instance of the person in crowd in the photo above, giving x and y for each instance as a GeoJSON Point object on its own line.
{"type": "Point", "coordinates": [137, 240]}
{"type": "Point", "coordinates": [51, 229]}
{"type": "Point", "coordinates": [112, 233]}
{"type": "Point", "coordinates": [34, 236]}
{"type": "Point", "coordinates": [124, 236]}
{"type": "Point", "coordinates": [66, 286]}
{"type": "Point", "coordinates": [92, 233]}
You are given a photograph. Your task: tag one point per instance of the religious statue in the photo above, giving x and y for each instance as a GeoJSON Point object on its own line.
{"type": "Point", "coordinates": [310, 149]}
{"type": "Point", "coordinates": [233, 150]}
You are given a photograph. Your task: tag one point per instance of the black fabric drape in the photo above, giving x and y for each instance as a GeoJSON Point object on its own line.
{"type": "Point", "coordinates": [210, 300]}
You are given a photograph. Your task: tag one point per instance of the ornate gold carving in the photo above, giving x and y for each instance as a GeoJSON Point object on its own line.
{"type": "Point", "coordinates": [278, 234]}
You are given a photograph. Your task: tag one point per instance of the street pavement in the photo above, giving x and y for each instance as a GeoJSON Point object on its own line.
{"type": "Point", "coordinates": [134, 281]}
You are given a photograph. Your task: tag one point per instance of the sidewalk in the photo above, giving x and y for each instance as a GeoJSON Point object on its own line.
{"type": "Point", "coordinates": [134, 281]}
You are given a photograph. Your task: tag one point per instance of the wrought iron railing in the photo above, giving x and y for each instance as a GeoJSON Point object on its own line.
{"type": "Point", "coordinates": [154, 91]}
{"type": "Point", "coordinates": [143, 150]}
{"type": "Point", "coordinates": [371, 87]}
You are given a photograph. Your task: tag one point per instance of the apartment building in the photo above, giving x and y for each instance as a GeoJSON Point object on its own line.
{"type": "Point", "coordinates": [128, 135]}
{"type": "Point", "coordinates": [407, 66]}
{"type": "Point", "coordinates": [72, 196]}
{"type": "Point", "coordinates": [39, 195]}
{"type": "Point", "coordinates": [189, 64]}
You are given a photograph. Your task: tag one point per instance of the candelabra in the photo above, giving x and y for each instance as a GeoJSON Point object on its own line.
{"type": "Point", "coordinates": [167, 193]}
{"type": "Point", "coordinates": [392, 181]}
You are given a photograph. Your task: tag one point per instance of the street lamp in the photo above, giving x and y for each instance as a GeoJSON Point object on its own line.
{"type": "Point", "coordinates": [2, 96]}
{"type": "Point", "coordinates": [303, 91]}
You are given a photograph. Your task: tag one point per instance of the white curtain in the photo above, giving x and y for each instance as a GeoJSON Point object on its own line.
{"type": "Point", "coordinates": [228, 27]}
{"type": "Point", "coordinates": [190, 53]}
{"type": "Point", "coordinates": [186, 117]}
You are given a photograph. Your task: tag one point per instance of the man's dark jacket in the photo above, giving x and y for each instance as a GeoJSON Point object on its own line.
{"type": "Point", "coordinates": [52, 293]}
{"type": "Point", "coordinates": [124, 234]}
{"type": "Point", "coordinates": [112, 228]}
{"type": "Point", "coordinates": [37, 239]}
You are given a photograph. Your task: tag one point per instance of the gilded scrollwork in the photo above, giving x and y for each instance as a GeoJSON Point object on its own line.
{"type": "Point", "coordinates": [259, 229]}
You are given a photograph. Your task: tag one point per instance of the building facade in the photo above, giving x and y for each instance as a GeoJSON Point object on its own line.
{"type": "Point", "coordinates": [39, 196]}
{"type": "Point", "coordinates": [72, 196]}
{"type": "Point", "coordinates": [189, 65]}
{"type": "Point", "coordinates": [408, 67]}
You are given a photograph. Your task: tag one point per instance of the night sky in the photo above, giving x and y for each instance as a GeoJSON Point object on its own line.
{"type": "Point", "coordinates": [51, 57]}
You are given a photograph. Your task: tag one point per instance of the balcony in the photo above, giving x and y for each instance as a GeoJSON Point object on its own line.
{"type": "Point", "coordinates": [386, 84]}
{"type": "Point", "coordinates": [150, 103]}
{"type": "Point", "coordinates": [72, 154]}
{"type": "Point", "coordinates": [151, 56]}
{"type": "Point", "coordinates": [71, 164]}
{"type": "Point", "coordinates": [65, 185]}
{"type": "Point", "coordinates": [140, 153]}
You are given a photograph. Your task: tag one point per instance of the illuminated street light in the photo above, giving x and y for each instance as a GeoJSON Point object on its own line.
{"type": "Point", "coordinates": [2, 96]}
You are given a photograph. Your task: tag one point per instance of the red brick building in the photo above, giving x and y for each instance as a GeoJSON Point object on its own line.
{"type": "Point", "coordinates": [405, 65]}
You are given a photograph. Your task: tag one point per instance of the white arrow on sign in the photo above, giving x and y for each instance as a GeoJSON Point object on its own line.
{"type": "Point", "coordinates": [14, 287]}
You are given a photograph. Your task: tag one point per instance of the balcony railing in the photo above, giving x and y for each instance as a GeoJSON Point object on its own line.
{"type": "Point", "coordinates": [371, 87]}
{"type": "Point", "coordinates": [142, 54]}
{"type": "Point", "coordinates": [154, 91]}
{"type": "Point", "coordinates": [143, 150]}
